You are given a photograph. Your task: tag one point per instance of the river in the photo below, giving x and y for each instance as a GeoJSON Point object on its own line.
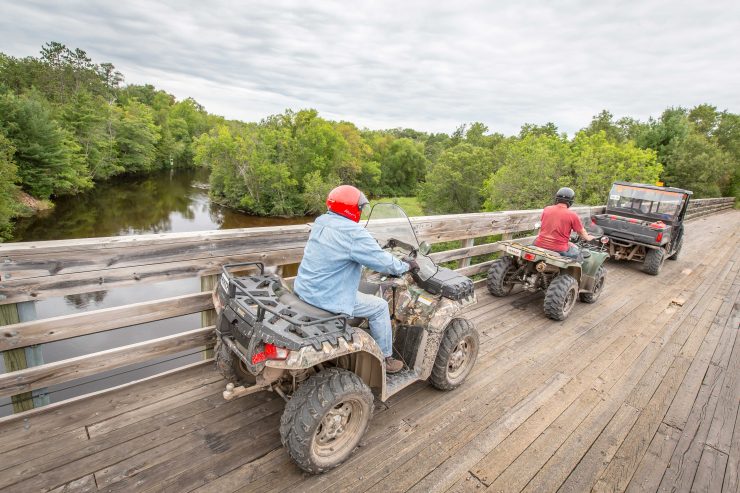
{"type": "Point", "coordinates": [171, 201]}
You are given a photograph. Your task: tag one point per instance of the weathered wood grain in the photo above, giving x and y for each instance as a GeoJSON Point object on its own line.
{"type": "Point", "coordinates": [67, 326]}
{"type": "Point", "coordinates": [82, 366]}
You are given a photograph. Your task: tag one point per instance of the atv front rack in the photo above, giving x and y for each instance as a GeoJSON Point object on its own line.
{"type": "Point", "coordinates": [253, 311]}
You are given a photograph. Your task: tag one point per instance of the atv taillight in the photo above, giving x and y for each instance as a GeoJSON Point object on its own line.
{"type": "Point", "coordinates": [271, 351]}
{"type": "Point", "coordinates": [529, 256]}
{"type": "Point", "coordinates": [659, 236]}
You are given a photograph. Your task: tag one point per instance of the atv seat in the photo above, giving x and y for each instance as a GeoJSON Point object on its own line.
{"type": "Point", "coordinates": [303, 308]}
{"type": "Point", "coordinates": [552, 252]}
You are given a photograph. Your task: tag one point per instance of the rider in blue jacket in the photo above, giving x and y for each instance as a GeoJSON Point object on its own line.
{"type": "Point", "coordinates": [329, 274]}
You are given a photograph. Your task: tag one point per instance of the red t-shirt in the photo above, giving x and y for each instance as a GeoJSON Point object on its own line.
{"type": "Point", "coordinates": [557, 223]}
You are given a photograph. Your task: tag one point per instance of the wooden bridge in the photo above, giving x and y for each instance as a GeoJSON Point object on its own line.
{"type": "Point", "coordinates": [637, 392]}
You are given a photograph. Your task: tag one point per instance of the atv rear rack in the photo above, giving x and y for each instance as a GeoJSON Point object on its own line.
{"type": "Point", "coordinates": [255, 300]}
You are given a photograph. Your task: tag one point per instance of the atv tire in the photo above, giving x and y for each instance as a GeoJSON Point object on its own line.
{"type": "Point", "coordinates": [677, 252]}
{"type": "Point", "coordinates": [456, 355]}
{"type": "Point", "coordinates": [229, 366]}
{"type": "Point", "coordinates": [325, 419]}
{"type": "Point", "coordinates": [654, 259]}
{"type": "Point", "coordinates": [561, 296]}
{"type": "Point", "coordinates": [598, 287]}
{"type": "Point", "coordinates": [496, 281]}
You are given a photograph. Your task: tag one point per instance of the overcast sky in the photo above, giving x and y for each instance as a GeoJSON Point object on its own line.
{"type": "Point", "coordinates": [426, 65]}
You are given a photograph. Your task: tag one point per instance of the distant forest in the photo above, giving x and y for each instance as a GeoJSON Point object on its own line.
{"type": "Point", "coordinates": [67, 122]}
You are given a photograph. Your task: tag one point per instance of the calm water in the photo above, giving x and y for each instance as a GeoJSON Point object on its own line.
{"type": "Point", "coordinates": [174, 201]}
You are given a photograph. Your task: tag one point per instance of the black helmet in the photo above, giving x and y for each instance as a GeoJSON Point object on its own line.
{"type": "Point", "coordinates": [565, 196]}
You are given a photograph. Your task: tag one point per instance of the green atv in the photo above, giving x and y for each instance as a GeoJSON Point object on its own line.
{"type": "Point", "coordinates": [563, 279]}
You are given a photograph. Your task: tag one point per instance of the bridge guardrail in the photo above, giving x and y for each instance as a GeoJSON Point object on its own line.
{"type": "Point", "coordinates": [38, 270]}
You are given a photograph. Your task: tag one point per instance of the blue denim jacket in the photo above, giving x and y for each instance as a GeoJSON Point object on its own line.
{"type": "Point", "coordinates": [337, 248]}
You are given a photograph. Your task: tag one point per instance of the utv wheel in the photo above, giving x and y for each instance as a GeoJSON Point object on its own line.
{"type": "Point", "coordinates": [456, 355]}
{"type": "Point", "coordinates": [230, 366]}
{"type": "Point", "coordinates": [598, 287]}
{"type": "Point", "coordinates": [676, 253]}
{"type": "Point", "coordinates": [325, 419]}
{"type": "Point", "coordinates": [500, 277]}
{"type": "Point", "coordinates": [654, 259]}
{"type": "Point", "coordinates": [561, 296]}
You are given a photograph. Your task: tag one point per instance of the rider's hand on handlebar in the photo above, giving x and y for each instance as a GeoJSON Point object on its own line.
{"type": "Point", "coordinates": [413, 264]}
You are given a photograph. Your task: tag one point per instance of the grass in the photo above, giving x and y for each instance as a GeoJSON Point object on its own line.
{"type": "Point", "coordinates": [410, 205]}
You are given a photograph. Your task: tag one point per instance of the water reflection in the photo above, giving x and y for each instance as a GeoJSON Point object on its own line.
{"type": "Point", "coordinates": [172, 201]}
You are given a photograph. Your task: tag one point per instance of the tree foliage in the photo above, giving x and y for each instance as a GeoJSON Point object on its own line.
{"type": "Point", "coordinates": [8, 189]}
{"type": "Point", "coordinates": [67, 122]}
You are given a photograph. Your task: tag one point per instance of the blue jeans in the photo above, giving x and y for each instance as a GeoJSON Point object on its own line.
{"type": "Point", "coordinates": [375, 309]}
{"type": "Point", "coordinates": [572, 251]}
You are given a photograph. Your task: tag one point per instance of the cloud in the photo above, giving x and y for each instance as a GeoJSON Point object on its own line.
{"type": "Point", "coordinates": [430, 66]}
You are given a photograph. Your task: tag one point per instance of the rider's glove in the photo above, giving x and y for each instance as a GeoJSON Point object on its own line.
{"type": "Point", "coordinates": [413, 265]}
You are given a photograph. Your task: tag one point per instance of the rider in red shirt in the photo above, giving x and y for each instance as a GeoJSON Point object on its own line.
{"type": "Point", "coordinates": [557, 223]}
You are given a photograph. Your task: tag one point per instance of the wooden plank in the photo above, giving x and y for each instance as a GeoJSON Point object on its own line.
{"type": "Point", "coordinates": [650, 471]}
{"type": "Point", "coordinates": [468, 243]}
{"type": "Point", "coordinates": [82, 366]}
{"type": "Point", "coordinates": [208, 317]}
{"type": "Point", "coordinates": [419, 461]}
{"type": "Point", "coordinates": [621, 468]}
{"type": "Point", "coordinates": [42, 269]}
{"type": "Point", "coordinates": [83, 282]}
{"type": "Point", "coordinates": [228, 440]}
{"type": "Point", "coordinates": [711, 471]}
{"type": "Point", "coordinates": [681, 470]}
{"type": "Point", "coordinates": [85, 484]}
{"type": "Point", "coordinates": [77, 324]}
{"type": "Point", "coordinates": [14, 359]}
{"type": "Point", "coordinates": [723, 421]}
{"type": "Point", "coordinates": [475, 269]}
{"type": "Point", "coordinates": [100, 452]}
{"type": "Point", "coordinates": [732, 472]}
{"type": "Point", "coordinates": [532, 462]}
{"type": "Point", "coordinates": [444, 476]}
{"type": "Point", "coordinates": [458, 253]}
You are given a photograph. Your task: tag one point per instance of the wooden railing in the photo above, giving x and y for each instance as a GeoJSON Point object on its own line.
{"type": "Point", "coordinates": [38, 270]}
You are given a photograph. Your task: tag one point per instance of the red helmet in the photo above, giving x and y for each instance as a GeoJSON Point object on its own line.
{"type": "Point", "coordinates": [347, 201]}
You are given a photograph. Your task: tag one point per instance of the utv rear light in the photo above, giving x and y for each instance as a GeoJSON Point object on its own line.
{"type": "Point", "coordinates": [271, 351]}
{"type": "Point", "coordinates": [659, 236]}
{"type": "Point", "coordinates": [529, 256]}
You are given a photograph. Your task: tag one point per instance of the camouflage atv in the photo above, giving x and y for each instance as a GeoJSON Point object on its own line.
{"type": "Point", "coordinates": [563, 279]}
{"type": "Point", "coordinates": [326, 365]}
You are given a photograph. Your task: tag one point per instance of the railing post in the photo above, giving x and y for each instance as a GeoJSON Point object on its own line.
{"type": "Point", "coordinates": [208, 317]}
{"type": "Point", "coordinates": [466, 244]}
{"type": "Point", "coordinates": [21, 358]}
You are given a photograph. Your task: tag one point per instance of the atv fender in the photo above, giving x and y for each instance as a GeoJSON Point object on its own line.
{"type": "Point", "coordinates": [366, 358]}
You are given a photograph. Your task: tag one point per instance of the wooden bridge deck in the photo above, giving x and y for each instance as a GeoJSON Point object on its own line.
{"type": "Point", "coordinates": [638, 392]}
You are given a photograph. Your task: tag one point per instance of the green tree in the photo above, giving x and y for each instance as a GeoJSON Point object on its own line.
{"type": "Point", "coordinates": [92, 119]}
{"type": "Point", "coordinates": [698, 164]}
{"type": "Point", "coordinates": [49, 159]}
{"type": "Point", "coordinates": [455, 182]}
{"type": "Point", "coordinates": [597, 161]}
{"type": "Point", "coordinates": [533, 169]}
{"type": "Point", "coordinates": [136, 137]}
{"type": "Point", "coordinates": [8, 188]}
{"type": "Point", "coordinates": [402, 167]}
{"type": "Point", "coordinates": [549, 129]}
